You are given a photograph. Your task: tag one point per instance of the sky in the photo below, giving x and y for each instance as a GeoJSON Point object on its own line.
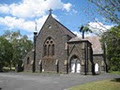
{"type": "Point", "coordinates": [22, 15]}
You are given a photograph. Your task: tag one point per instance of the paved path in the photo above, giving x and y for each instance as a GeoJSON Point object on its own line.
{"type": "Point", "coordinates": [22, 81]}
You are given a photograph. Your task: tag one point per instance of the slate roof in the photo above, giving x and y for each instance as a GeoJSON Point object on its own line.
{"type": "Point", "coordinates": [96, 44]}
{"type": "Point", "coordinates": [94, 40]}
{"type": "Point", "coordinates": [75, 39]}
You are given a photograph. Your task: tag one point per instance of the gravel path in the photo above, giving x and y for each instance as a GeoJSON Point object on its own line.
{"type": "Point", "coordinates": [22, 81]}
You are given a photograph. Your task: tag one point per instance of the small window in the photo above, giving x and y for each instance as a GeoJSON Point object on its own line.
{"type": "Point", "coordinates": [31, 62]}
{"type": "Point", "coordinates": [40, 62]}
{"type": "Point", "coordinates": [57, 62]}
{"type": "Point", "coordinates": [49, 26]}
{"type": "Point", "coordinates": [65, 62]}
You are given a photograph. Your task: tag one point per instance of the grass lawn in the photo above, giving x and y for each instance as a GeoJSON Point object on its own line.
{"type": "Point", "coordinates": [115, 72]}
{"type": "Point", "coordinates": [99, 85]}
{"type": "Point", "coordinates": [6, 69]}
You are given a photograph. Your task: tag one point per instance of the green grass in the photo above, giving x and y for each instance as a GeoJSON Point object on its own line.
{"type": "Point", "coordinates": [99, 85]}
{"type": "Point", "coordinates": [115, 72]}
{"type": "Point", "coordinates": [6, 69]}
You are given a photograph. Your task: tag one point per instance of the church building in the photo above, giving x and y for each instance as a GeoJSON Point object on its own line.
{"type": "Point", "coordinates": [57, 49]}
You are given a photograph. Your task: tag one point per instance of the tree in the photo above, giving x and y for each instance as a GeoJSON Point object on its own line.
{"type": "Point", "coordinates": [84, 29]}
{"type": "Point", "coordinates": [110, 9]}
{"type": "Point", "coordinates": [111, 39]}
{"type": "Point", "coordinates": [6, 54]}
{"type": "Point", "coordinates": [20, 44]}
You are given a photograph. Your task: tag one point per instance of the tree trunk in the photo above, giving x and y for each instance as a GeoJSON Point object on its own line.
{"type": "Point", "coordinates": [10, 66]}
{"type": "Point", "coordinates": [1, 67]}
{"type": "Point", "coordinates": [83, 35]}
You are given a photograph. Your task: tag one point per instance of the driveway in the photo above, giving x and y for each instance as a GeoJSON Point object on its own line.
{"type": "Point", "coordinates": [23, 81]}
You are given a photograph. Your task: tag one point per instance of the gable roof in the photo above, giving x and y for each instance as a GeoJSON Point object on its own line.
{"type": "Point", "coordinates": [63, 29]}
{"type": "Point", "coordinates": [94, 40]}
{"type": "Point", "coordinates": [78, 39]}
{"type": "Point", "coordinates": [96, 44]}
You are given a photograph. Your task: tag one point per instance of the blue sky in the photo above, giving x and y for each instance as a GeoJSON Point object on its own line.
{"type": "Point", "coordinates": [21, 15]}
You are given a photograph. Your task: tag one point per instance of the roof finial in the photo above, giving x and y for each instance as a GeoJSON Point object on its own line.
{"type": "Point", "coordinates": [35, 26]}
{"type": "Point", "coordinates": [50, 11]}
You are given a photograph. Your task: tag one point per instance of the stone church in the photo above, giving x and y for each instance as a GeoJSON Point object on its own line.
{"type": "Point", "coordinates": [57, 49]}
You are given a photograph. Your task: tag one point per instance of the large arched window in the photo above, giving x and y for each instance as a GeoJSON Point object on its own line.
{"type": "Point", "coordinates": [45, 50]}
{"type": "Point", "coordinates": [49, 47]}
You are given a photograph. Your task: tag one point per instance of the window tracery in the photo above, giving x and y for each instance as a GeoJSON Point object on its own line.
{"type": "Point", "coordinates": [49, 47]}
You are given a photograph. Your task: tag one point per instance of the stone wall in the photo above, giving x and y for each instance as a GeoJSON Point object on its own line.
{"type": "Point", "coordinates": [99, 59]}
{"type": "Point", "coordinates": [60, 39]}
{"type": "Point", "coordinates": [28, 61]}
{"type": "Point", "coordinates": [83, 51]}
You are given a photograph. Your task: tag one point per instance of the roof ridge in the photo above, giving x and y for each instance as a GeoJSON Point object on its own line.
{"type": "Point", "coordinates": [44, 24]}
{"type": "Point", "coordinates": [64, 26]}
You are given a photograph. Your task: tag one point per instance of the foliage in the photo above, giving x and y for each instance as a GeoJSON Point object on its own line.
{"type": "Point", "coordinates": [99, 85]}
{"type": "Point", "coordinates": [84, 29]}
{"type": "Point", "coordinates": [110, 9]}
{"type": "Point", "coordinates": [112, 40]}
{"type": "Point", "coordinates": [115, 72]}
{"type": "Point", "coordinates": [13, 47]}
{"type": "Point", "coordinates": [6, 54]}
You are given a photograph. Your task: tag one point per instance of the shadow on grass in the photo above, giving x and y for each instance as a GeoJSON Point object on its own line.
{"type": "Point", "coordinates": [116, 80]}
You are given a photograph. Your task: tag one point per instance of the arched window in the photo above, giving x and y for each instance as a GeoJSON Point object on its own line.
{"type": "Point", "coordinates": [49, 47]}
{"type": "Point", "coordinates": [53, 48]}
{"type": "Point", "coordinates": [48, 50]}
{"type": "Point", "coordinates": [96, 67]}
{"type": "Point", "coordinates": [45, 50]}
{"type": "Point", "coordinates": [75, 65]}
{"type": "Point", "coordinates": [28, 60]}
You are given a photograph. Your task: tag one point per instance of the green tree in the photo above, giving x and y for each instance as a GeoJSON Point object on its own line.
{"type": "Point", "coordinates": [20, 44]}
{"type": "Point", "coordinates": [6, 54]}
{"type": "Point", "coordinates": [112, 40]}
{"type": "Point", "coordinates": [110, 9]}
{"type": "Point", "coordinates": [84, 29]}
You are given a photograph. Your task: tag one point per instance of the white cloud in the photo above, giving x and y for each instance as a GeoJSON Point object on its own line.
{"type": "Point", "coordinates": [98, 27]}
{"type": "Point", "coordinates": [77, 33]}
{"type": "Point", "coordinates": [67, 6]}
{"type": "Point", "coordinates": [40, 22]}
{"type": "Point", "coordinates": [32, 8]}
{"type": "Point", "coordinates": [30, 36]}
{"type": "Point", "coordinates": [74, 11]}
{"type": "Point", "coordinates": [21, 14]}
{"type": "Point", "coordinates": [4, 9]}
{"type": "Point", "coordinates": [14, 22]}
{"type": "Point", "coordinates": [20, 23]}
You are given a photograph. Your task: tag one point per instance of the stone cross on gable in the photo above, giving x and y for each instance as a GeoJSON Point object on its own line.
{"type": "Point", "coordinates": [50, 11]}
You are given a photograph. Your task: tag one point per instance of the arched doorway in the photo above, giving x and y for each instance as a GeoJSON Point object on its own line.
{"type": "Point", "coordinates": [75, 65]}
{"type": "Point", "coordinates": [96, 68]}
